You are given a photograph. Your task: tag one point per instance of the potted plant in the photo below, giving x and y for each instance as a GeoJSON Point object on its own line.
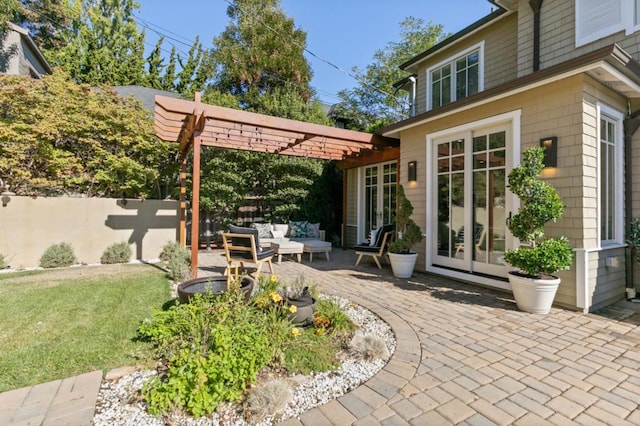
{"type": "Point", "coordinates": [401, 257]}
{"type": "Point", "coordinates": [538, 258]}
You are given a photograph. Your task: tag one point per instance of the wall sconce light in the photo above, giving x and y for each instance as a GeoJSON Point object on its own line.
{"type": "Point", "coordinates": [550, 146]}
{"type": "Point", "coordinates": [412, 171]}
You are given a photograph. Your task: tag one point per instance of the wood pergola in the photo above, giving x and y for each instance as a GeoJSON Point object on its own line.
{"type": "Point", "coordinates": [194, 124]}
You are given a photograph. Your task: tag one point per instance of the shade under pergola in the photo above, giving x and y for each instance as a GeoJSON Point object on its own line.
{"type": "Point", "coordinates": [193, 124]}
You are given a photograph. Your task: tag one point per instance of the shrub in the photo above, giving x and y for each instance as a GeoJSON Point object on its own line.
{"type": "Point", "coordinates": [116, 253]}
{"type": "Point", "coordinates": [212, 348]}
{"type": "Point", "coordinates": [3, 262]}
{"type": "Point", "coordinates": [178, 260]}
{"type": "Point", "coordinates": [271, 399]}
{"type": "Point", "coordinates": [329, 318]}
{"type": "Point", "coordinates": [58, 255]}
{"type": "Point", "coordinates": [368, 347]}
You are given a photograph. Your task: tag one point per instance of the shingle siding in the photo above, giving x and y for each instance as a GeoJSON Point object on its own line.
{"type": "Point", "coordinates": [500, 58]}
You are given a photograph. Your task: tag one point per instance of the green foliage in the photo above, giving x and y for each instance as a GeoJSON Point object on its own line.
{"type": "Point", "coordinates": [411, 232]}
{"type": "Point", "coordinates": [3, 262]}
{"type": "Point", "coordinates": [177, 259]}
{"type": "Point", "coordinates": [243, 54]}
{"type": "Point", "coordinates": [116, 253]}
{"type": "Point", "coordinates": [213, 347]}
{"type": "Point", "coordinates": [57, 137]}
{"type": "Point", "coordinates": [633, 237]}
{"type": "Point", "coordinates": [310, 351]}
{"type": "Point", "coordinates": [370, 105]}
{"type": "Point", "coordinates": [329, 318]}
{"type": "Point", "coordinates": [540, 203]}
{"type": "Point", "coordinates": [58, 255]}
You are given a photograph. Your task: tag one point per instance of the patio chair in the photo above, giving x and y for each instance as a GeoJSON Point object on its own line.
{"type": "Point", "coordinates": [379, 248]}
{"type": "Point", "coordinates": [242, 245]}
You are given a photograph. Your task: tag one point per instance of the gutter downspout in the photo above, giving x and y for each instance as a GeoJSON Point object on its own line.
{"type": "Point", "coordinates": [413, 81]}
{"type": "Point", "coordinates": [536, 5]}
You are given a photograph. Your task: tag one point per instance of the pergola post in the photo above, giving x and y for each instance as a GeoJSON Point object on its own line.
{"type": "Point", "coordinates": [195, 206]}
{"type": "Point", "coordinates": [182, 234]}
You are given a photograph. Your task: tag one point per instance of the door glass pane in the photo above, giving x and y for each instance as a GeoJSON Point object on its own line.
{"type": "Point", "coordinates": [371, 198]}
{"type": "Point", "coordinates": [457, 211]}
{"type": "Point", "coordinates": [445, 235]}
{"type": "Point", "coordinates": [450, 208]}
{"type": "Point", "coordinates": [390, 173]}
{"type": "Point", "coordinates": [488, 203]}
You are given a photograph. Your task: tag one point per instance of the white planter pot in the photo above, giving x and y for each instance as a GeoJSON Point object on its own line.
{"type": "Point", "coordinates": [533, 295]}
{"type": "Point", "coordinates": [402, 264]}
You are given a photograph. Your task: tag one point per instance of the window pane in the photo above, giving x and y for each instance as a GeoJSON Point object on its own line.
{"type": "Point", "coordinates": [497, 140]}
{"type": "Point", "coordinates": [461, 84]}
{"type": "Point", "coordinates": [473, 77]}
{"type": "Point", "coordinates": [446, 90]}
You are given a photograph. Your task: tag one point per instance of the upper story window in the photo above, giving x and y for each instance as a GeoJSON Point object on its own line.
{"type": "Point", "coordinates": [596, 19]}
{"type": "Point", "coordinates": [456, 77]}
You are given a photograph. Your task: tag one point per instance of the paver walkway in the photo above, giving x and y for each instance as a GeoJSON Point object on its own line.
{"type": "Point", "coordinates": [466, 355]}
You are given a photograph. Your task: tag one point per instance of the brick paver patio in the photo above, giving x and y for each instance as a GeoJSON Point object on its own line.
{"type": "Point", "coordinates": [465, 355]}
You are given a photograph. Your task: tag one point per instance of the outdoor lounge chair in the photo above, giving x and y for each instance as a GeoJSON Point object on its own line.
{"type": "Point", "coordinates": [383, 238]}
{"type": "Point", "coordinates": [242, 245]}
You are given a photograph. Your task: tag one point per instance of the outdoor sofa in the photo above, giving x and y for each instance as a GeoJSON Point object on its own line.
{"type": "Point", "coordinates": [300, 231]}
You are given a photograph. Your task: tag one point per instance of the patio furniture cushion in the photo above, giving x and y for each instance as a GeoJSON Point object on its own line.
{"type": "Point", "coordinates": [373, 235]}
{"type": "Point", "coordinates": [264, 229]}
{"type": "Point", "coordinates": [298, 229]}
{"type": "Point", "coordinates": [246, 242]}
{"type": "Point", "coordinates": [313, 230]}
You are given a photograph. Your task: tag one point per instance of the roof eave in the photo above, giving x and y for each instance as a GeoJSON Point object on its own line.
{"type": "Point", "coordinates": [465, 32]}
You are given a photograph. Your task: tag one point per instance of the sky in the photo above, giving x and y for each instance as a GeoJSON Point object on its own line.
{"type": "Point", "coordinates": [345, 33]}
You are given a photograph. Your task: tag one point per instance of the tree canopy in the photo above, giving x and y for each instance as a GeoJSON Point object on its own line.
{"type": "Point", "coordinates": [374, 102]}
{"type": "Point", "coordinates": [57, 137]}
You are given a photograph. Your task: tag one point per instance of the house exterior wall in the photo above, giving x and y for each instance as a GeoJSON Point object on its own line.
{"type": "Point", "coordinates": [499, 57]}
{"type": "Point", "coordinates": [28, 226]}
{"type": "Point", "coordinates": [565, 109]}
{"type": "Point", "coordinates": [558, 36]}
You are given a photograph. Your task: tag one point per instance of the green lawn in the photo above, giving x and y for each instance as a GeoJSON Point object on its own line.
{"type": "Point", "coordinates": [59, 323]}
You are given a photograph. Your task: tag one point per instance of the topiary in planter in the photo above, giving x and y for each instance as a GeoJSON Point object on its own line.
{"type": "Point", "coordinates": [539, 257]}
{"type": "Point", "coordinates": [409, 231]}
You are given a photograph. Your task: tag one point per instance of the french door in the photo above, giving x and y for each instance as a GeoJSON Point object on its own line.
{"type": "Point", "coordinates": [470, 178]}
{"type": "Point", "coordinates": [380, 184]}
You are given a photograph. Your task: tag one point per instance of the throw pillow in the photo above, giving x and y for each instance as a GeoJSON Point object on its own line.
{"type": "Point", "coordinates": [313, 230]}
{"type": "Point", "coordinates": [373, 237]}
{"type": "Point", "coordinates": [277, 234]}
{"type": "Point", "coordinates": [298, 229]}
{"type": "Point", "coordinates": [282, 227]}
{"type": "Point", "coordinates": [264, 229]}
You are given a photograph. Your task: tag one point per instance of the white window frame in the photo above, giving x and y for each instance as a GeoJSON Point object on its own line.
{"type": "Point", "coordinates": [452, 60]}
{"type": "Point", "coordinates": [625, 14]}
{"type": "Point", "coordinates": [618, 179]}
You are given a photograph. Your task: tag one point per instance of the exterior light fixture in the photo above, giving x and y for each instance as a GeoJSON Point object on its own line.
{"type": "Point", "coordinates": [412, 171]}
{"type": "Point", "coordinates": [550, 146]}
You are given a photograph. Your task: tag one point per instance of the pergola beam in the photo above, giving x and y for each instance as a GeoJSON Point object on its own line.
{"type": "Point", "coordinates": [193, 124]}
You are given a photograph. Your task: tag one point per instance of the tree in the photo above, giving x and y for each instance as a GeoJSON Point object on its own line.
{"type": "Point", "coordinates": [260, 67]}
{"type": "Point", "coordinates": [44, 19]}
{"type": "Point", "coordinates": [373, 102]}
{"type": "Point", "coordinates": [57, 137]}
{"type": "Point", "coordinates": [259, 51]}
{"type": "Point", "coordinates": [194, 71]}
{"type": "Point", "coordinates": [104, 45]}
{"type": "Point", "coordinates": [155, 66]}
